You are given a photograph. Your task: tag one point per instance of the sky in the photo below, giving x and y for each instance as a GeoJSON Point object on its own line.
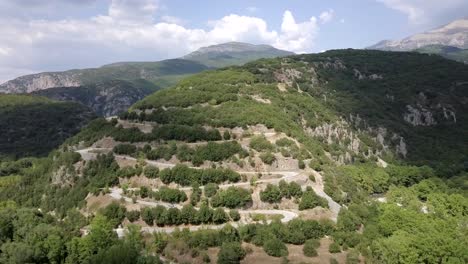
{"type": "Point", "coordinates": [55, 35]}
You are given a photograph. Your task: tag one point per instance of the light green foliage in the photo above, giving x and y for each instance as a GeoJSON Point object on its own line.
{"type": "Point", "coordinates": [260, 143]}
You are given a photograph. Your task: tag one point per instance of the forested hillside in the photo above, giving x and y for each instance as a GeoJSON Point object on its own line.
{"type": "Point", "coordinates": [105, 99]}
{"type": "Point", "coordinates": [339, 157]}
{"type": "Point", "coordinates": [33, 126]}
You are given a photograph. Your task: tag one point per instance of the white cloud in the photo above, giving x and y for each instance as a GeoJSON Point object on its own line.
{"type": "Point", "coordinates": [327, 16]}
{"type": "Point", "coordinates": [133, 10]}
{"type": "Point", "coordinates": [252, 9]}
{"type": "Point", "coordinates": [425, 11]}
{"type": "Point", "coordinates": [298, 37]}
{"type": "Point", "coordinates": [129, 33]}
{"type": "Point", "coordinates": [173, 20]}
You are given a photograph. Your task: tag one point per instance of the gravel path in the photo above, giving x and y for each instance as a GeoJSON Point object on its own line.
{"type": "Point", "coordinates": [288, 176]}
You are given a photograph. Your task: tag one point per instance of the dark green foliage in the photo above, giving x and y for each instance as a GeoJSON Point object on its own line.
{"type": "Point", "coordinates": [147, 215]}
{"type": "Point", "coordinates": [33, 126]}
{"type": "Point", "coordinates": [132, 216]}
{"type": "Point", "coordinates": [188, 215]}
{"type": "Point", "coordinates": [311, 200]}
{"type": "Point", "coordinates": [268, 158]}
{"type": "Point", "coordinates": [101, 172]}
{"type": "Point", "coordinates": [219, 216]}
{"type": "Point", "coordinates": [151, 172]}
{"type": "Point", "coordinates": [211, 189]}
{"type": "Point", "coordinates": [271, 194]}
{"type": "Point", "coordinates": [231, 252]}
{"type": "Point", "coordinates": [171, 195]}
{"type": "Point", "coordinates": [216, 151]}
{"type": "Point", "coordinates": [226, 135]}
{"type": "Point", "coordinates": [115, 213]}
{"type": "Point", "coordinates": [205, 213]}
{"type": "Point", "coordinates": [232, 197]}
{"type": "Point", "coordinates": [196, 194]}
{"type": "Point", "coordinates": [234, 214]}
{"type": "Point", "coordinates": [275, 248]}
{"type": "Point", "coordinates": [186, 176]}
{"type": "Point", "coordinates": [125, 149]}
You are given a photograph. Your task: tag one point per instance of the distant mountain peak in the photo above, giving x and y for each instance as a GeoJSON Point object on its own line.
{"type": "Point", "coordinates": [234, 53]}
{"type": "Point", "coordinates": [453, 34]}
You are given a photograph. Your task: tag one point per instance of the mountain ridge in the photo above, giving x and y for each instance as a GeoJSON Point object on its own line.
{"type": "Point", "coordinates": [454, 34]}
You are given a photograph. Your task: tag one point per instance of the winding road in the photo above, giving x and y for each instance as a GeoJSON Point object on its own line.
{"type": "Point", "coordinates": [288, 176]}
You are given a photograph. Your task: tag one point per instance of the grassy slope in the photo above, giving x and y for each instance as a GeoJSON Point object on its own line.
{"type": "Point", "coordinates": [35, 125]}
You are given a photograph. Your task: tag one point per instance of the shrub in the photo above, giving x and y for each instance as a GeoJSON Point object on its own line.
{"type": "Point", "coordinates": [311, 200]}
{"type": "Point", "coordinates": [334, 248]}
{"type": "Point", "coordinates": [133, 216]}
{"type": "Point", "coordinates": [148, 216]}
{"type": "Point", "coordinates": [211, 189]}
{"type": "Point", "coordinates": [275, 247]}
{"type": "Point", "coordinates": [232, 197]}
{"type": "Point", "coordinates": [172, 195]}
{"type": "Point", "coordinates": [260, 143]}
{"type": "Point", "coordinates": [231, 252]}
{"type": "Point", "coordinates": [271, 194]}
{"type": "Point", "coordinates": [114, 212]}
{"type": "Point", "coordinates": [125, 149]}
{"type": "Point", "coordinates": [151, 172]}
{"type": "Point", "coordinates": [234, 214]}
{"type": "Point", "coordinates": [219, 216]}
{"type": "Point", "coordinates": [301, 164]}
{"type": "Point", "coordinates": [268, 158]}
{"type": "Point", "coordinates": [310, 247]}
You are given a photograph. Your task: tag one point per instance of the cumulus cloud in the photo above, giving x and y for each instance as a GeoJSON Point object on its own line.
{"type": "Point", "coordinates": [133, 10]}
{"type": "Point", "coordinates": [427, 11]}
{"type": "Point", "coordinates": [128, 32]}
{"type": "Point", "coordinates": [327, 16]}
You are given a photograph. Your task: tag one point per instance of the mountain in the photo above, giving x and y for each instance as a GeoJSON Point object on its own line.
{"type": "Point", "coordinates": [118, 85]}
{"type": "Point", "coordinates": [32, 125]}
{"type": "Point", "coordinates": [163, 73]}
{"type": "Point", "coordinates": [234, 53]}
{"type": "Point", "coordinates": [108, 98]}
{"type": "Point", "coordinates": [343, 156]}
{"type": "Point", "coordinates": [454, 34]}
{"type": "Point", "coordinates": [449, 52]}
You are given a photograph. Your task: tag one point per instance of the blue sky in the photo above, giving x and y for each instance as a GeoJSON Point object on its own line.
{"type": "Point", "coordinates": [53, 35]}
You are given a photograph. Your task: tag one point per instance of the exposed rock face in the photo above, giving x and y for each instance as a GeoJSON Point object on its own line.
{"type": "Point", "coordinates": [106, 99]}
{"type": "Point", "coordinates": [40, 81]}
{"type": "Point", "coordinates": [419, 117]}
{"type": "Point", "coordinates": [453, 34]}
